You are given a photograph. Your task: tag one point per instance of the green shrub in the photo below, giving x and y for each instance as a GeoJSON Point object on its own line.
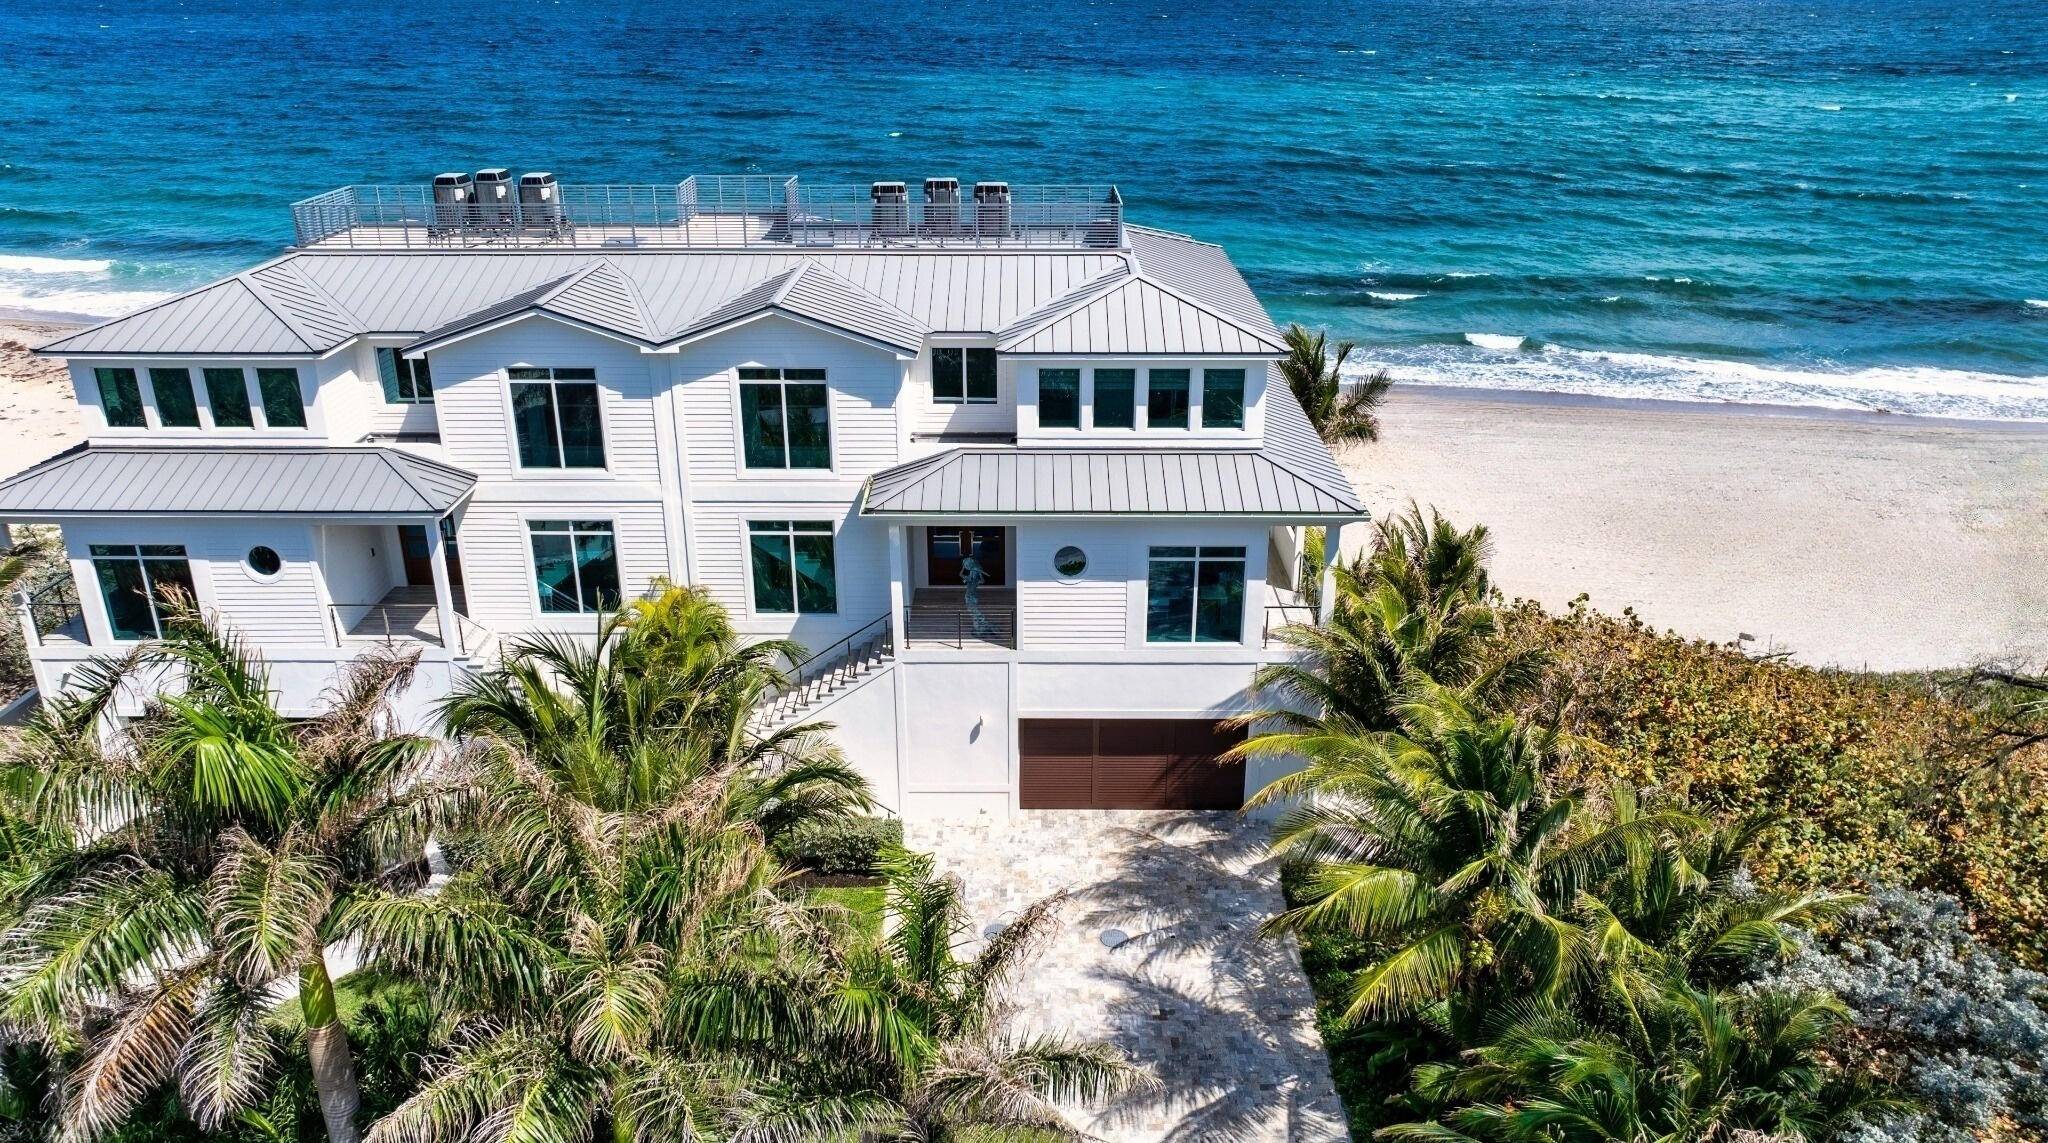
{"type": "Point", "coordinates": [845, 847]}
{"type": "Point", "coordinates": [1895, 778]}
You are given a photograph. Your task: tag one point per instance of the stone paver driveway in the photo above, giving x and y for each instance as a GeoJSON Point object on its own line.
{"type": "Point", "coordinates": [1220, 1016]}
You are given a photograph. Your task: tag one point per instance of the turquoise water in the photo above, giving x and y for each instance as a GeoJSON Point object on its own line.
{"type": "Point", "coordinates": [1827, 202]}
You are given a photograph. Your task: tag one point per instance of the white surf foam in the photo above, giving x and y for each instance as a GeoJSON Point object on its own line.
{"type": "Point", "coordinates": [2038, 303]}
{"type": "Point", "coordinates": [1504, 341]}
{"type": "Point", "coordinates": [1385, 297]}
{"type": "Point", "coordinates": [33, 264]}
{"type": "Point", "coordinates": [1919, 391]}
{"type": "Point", "coordinates": [78, 303]}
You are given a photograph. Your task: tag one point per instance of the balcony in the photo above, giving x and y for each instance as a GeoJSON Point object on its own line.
{"type": "Point", "coordinates": [939, 617]}
{"type": "Point", "coordinates": [408, 614]}
{"type": "Point", "coordinates": [708, 212]}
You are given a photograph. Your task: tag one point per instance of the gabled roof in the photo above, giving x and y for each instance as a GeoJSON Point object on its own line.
{"type": "Point", "coordinates": [813, 293]}
{"type": "Point", "coordinates": [197, 480]}
{"type": "Point", "coordinates": [598, 294]}
{"type": "Point", "coordinates": [1138, 315]}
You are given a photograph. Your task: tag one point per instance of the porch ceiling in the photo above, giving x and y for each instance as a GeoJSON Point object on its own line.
{"type": "Point", "coordinates": [120, 480]}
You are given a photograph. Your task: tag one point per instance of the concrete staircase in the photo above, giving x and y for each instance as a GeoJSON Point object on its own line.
{"type": "Point", "coordinates": [826, 675]}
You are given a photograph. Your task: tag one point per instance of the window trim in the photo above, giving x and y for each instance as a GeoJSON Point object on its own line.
{"type": "Point", "coordinates": [966, 397]}
{"type": "Point", "coordinates": [1242, 560]}
{"type": "Point", "coordinates": [156, 401]}
{"type": "Point", "coordinates": [1094, 403]}
{"type": "Point", "coordinates": [142, 404]}
{"type": "Point", "coordinates": [739, 423]}
{"type": "Point", "coordinates": [249, 564]}
{"type": "Point", "coordinates": [404, 372]}
{"type": "Point", "coordinates": [1189, 391]}
{"type": "Point", "coordinates": [604, 424]}
{"type": "Point", "coordinates": [811, 526]}
{"type": "Point", "coordinates": [572, 514]}
{"type": "Point", "coordinates": [92, 560]}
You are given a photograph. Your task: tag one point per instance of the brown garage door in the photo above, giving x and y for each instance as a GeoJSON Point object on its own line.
{"type": "Point", "coordinates": [1127, 764]}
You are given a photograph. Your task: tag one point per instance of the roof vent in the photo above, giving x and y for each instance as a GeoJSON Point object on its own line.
{"type": "Point", "coordinates": [540, 204]}
{"type": "Point", "coordinates": [942, 206]}
{"type": "Point", "coordinates": [494, 196]}
{"type": "Point", "coordinates": [454, 201]}
{"type": "Point", "coordinates": [892, 207]}
{"type": "Point", "coordinates": [992, 208]}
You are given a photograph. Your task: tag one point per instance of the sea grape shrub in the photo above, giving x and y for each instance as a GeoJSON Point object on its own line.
{"type": "Point", "coordinates": [846, 847]}
{"type": "Point", "coordinates": [1964, 1027]}
{"type": "Point", "coordinates": [1879, 775]}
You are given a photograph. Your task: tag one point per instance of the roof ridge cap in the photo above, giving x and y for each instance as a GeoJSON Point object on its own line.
{"type": "Point", "coordinates": [633, 295]}
{"type": "Point", "coordinates": [248, 281]}
{"type": "Point", "coordinates": [291, 264]}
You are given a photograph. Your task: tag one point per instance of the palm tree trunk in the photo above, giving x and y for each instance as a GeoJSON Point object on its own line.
{"type": "Point", "coordinates": [334, 1073]}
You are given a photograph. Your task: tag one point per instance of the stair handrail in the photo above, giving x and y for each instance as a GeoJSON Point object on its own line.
{"type": "Point", "coordinates": [831, 656]}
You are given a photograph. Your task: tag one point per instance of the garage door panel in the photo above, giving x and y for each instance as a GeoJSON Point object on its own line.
{"type": "Point", "coordinates": [1134, 764]}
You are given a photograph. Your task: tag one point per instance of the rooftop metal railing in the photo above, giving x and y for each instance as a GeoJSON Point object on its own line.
{"type": "Point", "coordinates": [713, 211]}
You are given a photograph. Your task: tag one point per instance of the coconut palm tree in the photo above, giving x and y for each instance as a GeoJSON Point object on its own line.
{"type": "Point", "coordinates": [612, 885]}
{"type": "Point", "coordinates": [195, 870]}
{"type": "Point", "coordinates": [909, 1041]}
{"type": "Point", "coordinates": [659, 700]}
{"type": "Point", "coordinates": [1708, 1066]}
{"type": "Point", "coordinates": [1316, 375]}
{"type": "Point", "coordinates": [1416, 610]}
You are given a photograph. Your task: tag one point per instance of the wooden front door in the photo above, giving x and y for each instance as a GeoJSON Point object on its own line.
{"type": "Point", "coordinates": [419, 567]}
{"type": "Point", "coordinates": [1127, 764]}
{"type": "Point", "coordinates": [945, 548]}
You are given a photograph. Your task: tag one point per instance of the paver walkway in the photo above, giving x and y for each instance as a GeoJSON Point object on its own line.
{"type": "Point", "coordinates": [1222, 1017]}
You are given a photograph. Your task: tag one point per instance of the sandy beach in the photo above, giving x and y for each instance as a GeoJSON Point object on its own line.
{"type": "Point", "coordinates": [1853, 540]}
{"type": "Point", "coordinates": [1892, 543]}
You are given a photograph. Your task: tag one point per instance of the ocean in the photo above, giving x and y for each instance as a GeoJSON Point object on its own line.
{"type": "Point", "coordinates": [1826, 202]}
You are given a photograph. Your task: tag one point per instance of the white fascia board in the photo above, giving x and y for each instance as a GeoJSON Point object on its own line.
{"type": "Point", "coordinates": [420, 349]}
{"type": "Point", "coordinates": [799, 319]}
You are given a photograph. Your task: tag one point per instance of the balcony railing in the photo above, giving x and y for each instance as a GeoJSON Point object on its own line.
{"type": "Point", "coordinates": [708, 212]}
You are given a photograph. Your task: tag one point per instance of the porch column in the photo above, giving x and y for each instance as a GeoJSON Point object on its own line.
{"type": "Point", "coordinates": [899, 579]}
{"type": "Point", "coordinates": [444, 596]}
{"type": "Point", "coordinates": [1333, 547]}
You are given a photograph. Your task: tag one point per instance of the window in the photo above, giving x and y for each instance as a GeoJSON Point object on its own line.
{"type": "Point", "coordinates": [1222, 398]}
{"type": "Point", "coordinates": [284, 406]}
{"type": "Point", "coordinates": [227, 392]}
{"type": "Point", "coordinates": [405, 381]}
{"type": "Point", "coordinates": [793, 572]}
{"type": "Point", "coordinates": [1059, 398]}
{"type": "Point", "coordinates": [175, 406]}
{"type": "Point", "coordinates": [133, 580]}
{"type": "Point", "coordinates": [120, 398]}
{"type": "Point", "coordinates": [1116, 398]}
{"type": "Point", "coordinates": [264, 561]}
{"type": "Point", "coordinates": [1195, 595]}
{"type": "Point", "coordinates": [1166, 398]}
{"type": "Point", "coordinates": [555, 417]}
{"type": "Point", "coordinates": [1069, 562]}
{"type": "Point", "coordinates": [785, 419]}
{"type": "Point", "coordinates": [575, 564]}
{"type": "Point", "coordinates": [963, 376]}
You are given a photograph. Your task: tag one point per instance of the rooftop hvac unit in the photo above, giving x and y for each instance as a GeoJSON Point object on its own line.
{"type": "Point", "coordinates": [454, 201]}
{"type": "Point", "coordinates": [540, 204]}
{"type": "Point", "coordinates": [892, 208]}
{"type": "Point", "coordinates": [992, 209]}
{"type": "Point", "coordinates": [494, 196]}
{"type": "Point", "coordinates": [942, 206]}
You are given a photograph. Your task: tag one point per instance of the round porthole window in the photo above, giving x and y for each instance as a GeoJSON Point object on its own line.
{"type": "Point", "coordinates": [1069, 562]}
{"type": "Point", "coordinates": [264, 561]}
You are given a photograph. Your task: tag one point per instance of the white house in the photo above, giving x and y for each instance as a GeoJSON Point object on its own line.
{"type": "Point", "coordinates": [450, 417]}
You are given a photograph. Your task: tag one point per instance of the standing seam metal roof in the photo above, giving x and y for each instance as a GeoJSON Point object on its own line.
{"type": "Point", "coordinates": [205, 480]}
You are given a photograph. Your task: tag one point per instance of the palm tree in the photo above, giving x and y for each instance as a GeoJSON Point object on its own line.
{"type": "Point", "coordinates": [1416, 610]}
{"type": "Point", "coordinates": [661, 699]}
{"type": "Point", "coordinates": [1707, 1066]}
{"type": "Point", "coordinates": [612, 886]}
{"type": "Point", "coordinates": [1317, 379]}
{"type": "Point", "coordinates": [1444, 845]}
{"type": "Point", "coordinates": [195, 869]}
{"type": "Point", "coordinates": [909, 1042]}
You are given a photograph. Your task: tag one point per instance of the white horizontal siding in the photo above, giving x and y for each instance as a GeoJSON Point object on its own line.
{"type": "Point", "coordinates": [928, 416]}
{"type": "Point", "coordinates": [860, 560]}
{"type": "Point", "coordinates": [863, 381]}
{"type": "Point", "coordinates": [1093, 611]}
{"type": "Point", "coordinates": [285, 609]}
{"type": "Point", "coordinates": [471, 403]}
{"type": "Point", "coordinates": [497, 559]}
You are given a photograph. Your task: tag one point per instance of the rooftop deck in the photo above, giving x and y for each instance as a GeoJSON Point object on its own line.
{"type": "Point", "coordinates": [710, 212]}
